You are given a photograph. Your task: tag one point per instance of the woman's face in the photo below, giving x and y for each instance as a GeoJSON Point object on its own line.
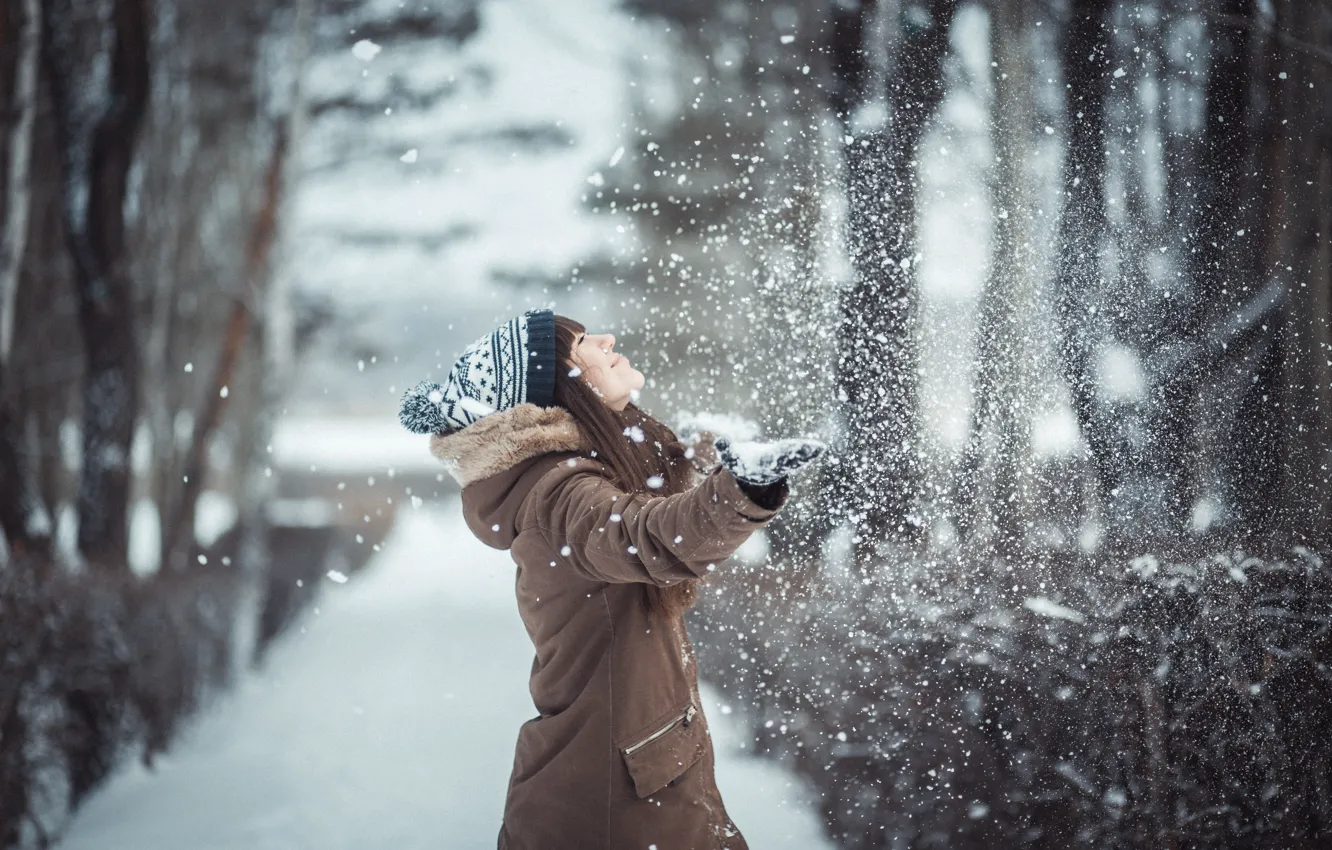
{"type": "Point", "coordinates": [610, 375]}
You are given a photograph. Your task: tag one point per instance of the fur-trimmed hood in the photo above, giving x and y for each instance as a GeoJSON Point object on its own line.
{"type": "Point", "coordinates": [505, 439]}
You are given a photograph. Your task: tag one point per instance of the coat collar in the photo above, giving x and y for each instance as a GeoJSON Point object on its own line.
{"type": "Point", "coordinates": [504, 439]}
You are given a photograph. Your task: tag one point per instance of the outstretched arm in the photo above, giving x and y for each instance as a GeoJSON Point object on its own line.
{"type": "Point", "coordinates": [609, 535]}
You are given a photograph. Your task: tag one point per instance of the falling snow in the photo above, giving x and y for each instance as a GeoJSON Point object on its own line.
{"type": "Point", "coordinates": [1042, 353]}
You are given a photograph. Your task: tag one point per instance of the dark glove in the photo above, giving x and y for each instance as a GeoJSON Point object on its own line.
{"type": "Point", "coordinates": [766, 463]}
{"type": "Point", "coordinates": [768, 496]}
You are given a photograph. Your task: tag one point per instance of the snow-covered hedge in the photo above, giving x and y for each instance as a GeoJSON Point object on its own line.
{"type": "Point", "coordinates": [1153, 705]}
{"type": "Point", "coordinates": [97, 668]}
{"type": "Point", "coordinates": [94, 668]}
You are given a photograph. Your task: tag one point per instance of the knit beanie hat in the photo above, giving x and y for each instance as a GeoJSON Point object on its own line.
{"type": "Point", "coordinates": [513, 364]}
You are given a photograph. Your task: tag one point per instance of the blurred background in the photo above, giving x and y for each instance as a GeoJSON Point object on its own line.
{"type": "Point", "coordinates": [1052, 278]}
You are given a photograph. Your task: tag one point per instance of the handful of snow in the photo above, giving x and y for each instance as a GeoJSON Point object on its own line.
{"type": "Point", "coordinates": [688, 425]}
{"type": "Point", "coordinates": [766, 463]}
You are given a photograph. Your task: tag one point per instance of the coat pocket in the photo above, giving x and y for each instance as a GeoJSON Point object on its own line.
{"type": "Point", "coordinates": [667, 752]}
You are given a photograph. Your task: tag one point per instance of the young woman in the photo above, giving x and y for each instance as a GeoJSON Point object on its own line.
{"type": "Point", "coordinates": [612, 522]}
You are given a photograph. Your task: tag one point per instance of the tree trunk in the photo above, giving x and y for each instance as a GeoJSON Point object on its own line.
{"type": "Point", "coordinates": [257, 481]}
{"type": "Point", "coordinates": [180, 528]}
{"type": "Point", "coordinates": [96, 160]}
{"type": "Point", "coordinates": [1083, 229]}
{"type": "Point", "coordinates": [20, 25]}
{"type": "Point", "coordinates": [21, 31]}
{"type": "Point", "coordinates": [998, 458]}
{"type": "Point", "coordinates": [1301, 217]}
{"type": "Point", "coordinates": [1215, 266]}
{"type": "Point", "coordinates": [879, 478]}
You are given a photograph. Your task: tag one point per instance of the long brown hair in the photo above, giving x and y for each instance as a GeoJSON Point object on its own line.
{"type": "Point", "coordinates": [631, 462]}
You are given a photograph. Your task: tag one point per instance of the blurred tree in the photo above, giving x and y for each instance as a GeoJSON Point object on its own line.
{"type": "Point", "coordinates": [1295, 398]}
{"type": "Point", "coordinates": [1212, 324]}
{"type": "Point", "coordinates": [1085, 56]}
{"type": "Point", "coordinates": [199, 301]}
{"type": "Point", "coordinates": [886, 83]}
{"type": "Point", "coordinates": [1190, 270]}
{"type": "Point", "coordinates": [1217, 262]}
{"type": "Point", "coordinates": [998, 463]}
{"type": "Point", "coordinates": [20, 24]}
{"type": "Point", "coordinates": [96, 129]}
{"type": "Point", "coordinates": [139, 181]}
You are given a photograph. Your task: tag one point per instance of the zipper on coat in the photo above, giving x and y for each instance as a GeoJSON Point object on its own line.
{"type": "Point", "coordinates": [685, 719]}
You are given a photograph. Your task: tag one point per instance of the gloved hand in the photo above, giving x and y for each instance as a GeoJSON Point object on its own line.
{"type": "Point", "coordinates": [765, 463]}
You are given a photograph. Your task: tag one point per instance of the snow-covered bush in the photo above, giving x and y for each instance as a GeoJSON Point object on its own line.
{"type": "Point", "coordinates": [95, 667]}
{"type": "Point", "coordinates": [1153, 705]}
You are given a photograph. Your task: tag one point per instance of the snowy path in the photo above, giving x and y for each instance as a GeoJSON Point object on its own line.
{"type": "Point", "coordinates": [390, 724]}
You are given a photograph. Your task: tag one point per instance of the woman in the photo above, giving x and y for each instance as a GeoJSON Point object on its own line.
{"type": "Point", "coordinates": [612, 528]}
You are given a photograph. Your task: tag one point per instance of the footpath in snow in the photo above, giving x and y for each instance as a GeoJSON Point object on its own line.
{"type": "Point", "coordinates": [389, 724]}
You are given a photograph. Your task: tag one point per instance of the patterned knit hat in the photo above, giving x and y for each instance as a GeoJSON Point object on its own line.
{"type": "Point", "coordinates": [513, 364]}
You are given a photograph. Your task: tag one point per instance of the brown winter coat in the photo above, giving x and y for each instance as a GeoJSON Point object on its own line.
{"type": "Point", "coordinates": [620, 755]}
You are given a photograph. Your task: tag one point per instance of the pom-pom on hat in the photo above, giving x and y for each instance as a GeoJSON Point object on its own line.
{"type": "Point", "coordinates": [513, 364]}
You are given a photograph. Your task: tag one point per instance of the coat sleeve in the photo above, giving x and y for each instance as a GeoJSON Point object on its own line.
{"type": "Point", "coordinates": [609, 535]}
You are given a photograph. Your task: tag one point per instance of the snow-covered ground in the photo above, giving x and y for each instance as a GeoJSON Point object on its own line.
{"type": "Point", "coordinates": [389, 723]}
